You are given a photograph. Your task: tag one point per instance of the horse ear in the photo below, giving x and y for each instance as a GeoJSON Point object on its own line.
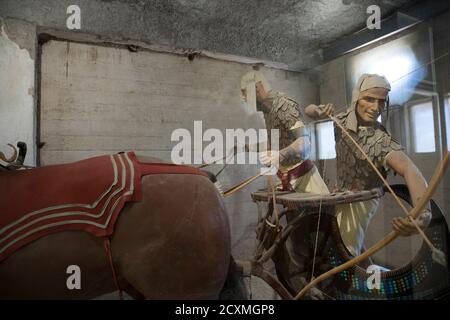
{"type": "Point", "coordinates": [211, 176]}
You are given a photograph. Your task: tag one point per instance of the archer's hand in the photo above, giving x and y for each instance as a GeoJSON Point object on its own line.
{"type": "Point", "coordinates": [406, 228]}
{"type": "Point", "coordinates": [325, 111]}
{"type": "Point", "coordinates": [270, 157]}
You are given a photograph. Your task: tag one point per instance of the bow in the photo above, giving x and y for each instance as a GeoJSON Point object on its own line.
{"type": "Point", "coordinates": [434, 250]}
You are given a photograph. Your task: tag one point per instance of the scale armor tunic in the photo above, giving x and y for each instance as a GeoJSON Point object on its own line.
{"type": "Point", "coordinates": [282, 116]}
{"type": "Point", "coordinates": [353, 170]}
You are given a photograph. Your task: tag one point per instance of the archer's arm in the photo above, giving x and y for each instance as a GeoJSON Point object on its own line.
{"type": "Point", "coordinates": [300, 149]}
{"type": "Point", "coordinates": [319, 112]}
{"type": "Point", "coordinates": [416, 184]}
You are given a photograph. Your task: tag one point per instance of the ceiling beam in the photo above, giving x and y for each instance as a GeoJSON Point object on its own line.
{"type": "Point", "coordinates": [395, 23]}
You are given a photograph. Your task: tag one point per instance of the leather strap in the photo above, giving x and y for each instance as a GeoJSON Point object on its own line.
{"type": "Point", "coordinates": [107, 247]}
{"type": "Point", "coordinates": [295, 173]}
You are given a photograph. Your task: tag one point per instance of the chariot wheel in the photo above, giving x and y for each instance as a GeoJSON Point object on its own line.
{"type": "Point", "coordinates": [315, 246]}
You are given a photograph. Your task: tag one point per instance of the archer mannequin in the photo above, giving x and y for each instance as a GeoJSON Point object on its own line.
{"type": "Point", "coordinates": [370, 97]}
{"type": "Point", "coordinates": [296, 171]}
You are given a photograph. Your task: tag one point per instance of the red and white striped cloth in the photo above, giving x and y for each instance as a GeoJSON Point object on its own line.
{"type": "Point", "coordinates": [86, 195]}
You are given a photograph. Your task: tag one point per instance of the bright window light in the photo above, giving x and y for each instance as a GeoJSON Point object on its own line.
{"type": "Point", "coordinates": [393, 67]}
{"type": "Point", "coordinates": [379, 118]}
{"type": "Point", "coordinates": [396, 61]}
{"type": "Point", "coordinates": [325, 140]}
{"type": "Point", "coordinates": [423, 127]}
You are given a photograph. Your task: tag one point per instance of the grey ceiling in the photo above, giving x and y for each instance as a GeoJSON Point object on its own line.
{"type": "Point", "coordinates": [289, 31]}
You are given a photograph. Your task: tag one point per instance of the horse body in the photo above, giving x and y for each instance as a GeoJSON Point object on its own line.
{"type": "Point", "coordinates": [174, 244]}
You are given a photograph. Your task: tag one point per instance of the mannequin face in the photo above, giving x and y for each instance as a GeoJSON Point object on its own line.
{"type": "Point", "coordinates": [244, 95]}
{"type": "Point", "coordinates": [370, 105]}
{"type": "Point", "coordinates": [261, 96]}
{"type": "Point", "coordinates": [261, 93]}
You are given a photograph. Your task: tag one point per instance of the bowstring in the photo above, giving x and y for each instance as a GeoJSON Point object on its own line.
{"type": "Point", "coordinates": [318, 227]}
{"type": "Point", "coordinates": [421, 66]}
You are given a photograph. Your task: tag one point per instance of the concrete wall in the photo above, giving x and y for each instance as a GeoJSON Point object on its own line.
{"type": "Point", "coordinates": [97, 99]}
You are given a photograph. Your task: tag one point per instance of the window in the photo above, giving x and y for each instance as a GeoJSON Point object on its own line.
{"type": "Point", "coordinates": [325, 140]}
{"type": "Point", "coordinates": [447, 121]}
{"type": "Point", "coordinates": [422, 123]}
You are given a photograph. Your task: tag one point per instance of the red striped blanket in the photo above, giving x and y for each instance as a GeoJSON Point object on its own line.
{"type": "Point", "coordinates": [87, 195]}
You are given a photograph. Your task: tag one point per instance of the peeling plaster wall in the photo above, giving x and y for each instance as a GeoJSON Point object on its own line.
{"type": "Point", "coordinates": [17, 103]}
